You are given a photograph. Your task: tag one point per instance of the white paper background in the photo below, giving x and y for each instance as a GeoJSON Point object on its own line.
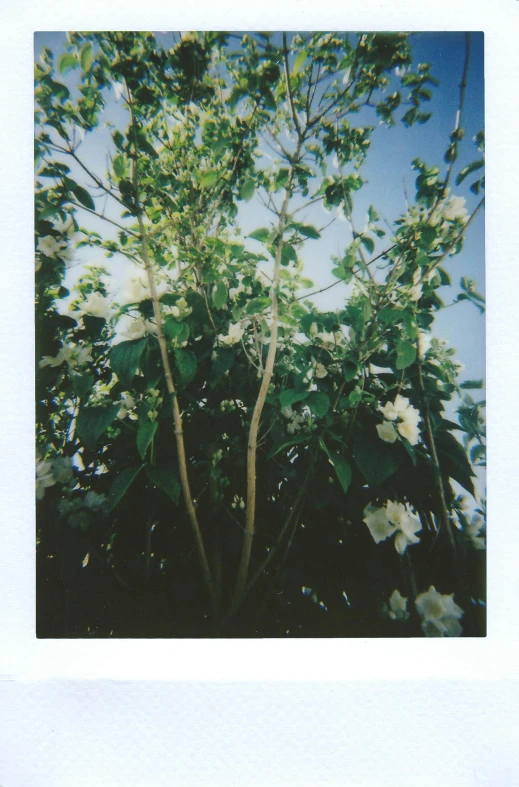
{"type": "Point", "coordinates": [454, 720]}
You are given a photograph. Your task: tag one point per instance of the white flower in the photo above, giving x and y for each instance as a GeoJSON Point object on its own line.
{"type": "Point", "coordinates": [406, 523]}
{"type": "Point", "coordinates": [407, 416]}
{"type": "Point", "coordinates": [408, 426]}
{"type": "Point", "coordinates": [313, 329]}
{"type": "Point", "coordinates": [320, 371]}
{"type": "Point", "coordinates": [378, 524]}
{"type": "Point", "coordinates": [454, 209]}
{"type": "Point", "coordinates": [138, 327]}
{"type": "Point", "coordinates": [236, 331]}
{"type": "Point", "coordinates": [72, 355]}
{"type": "Point", "coordinates": [49, 246]}
{"type": "Point", "coordinates": [137, 288]}
{"type": "Point", "coordinates": [95, 305]}
{"type": "Point", "coordinates": [410, 431]}
{"type": "Point", "coordinates": [398, 606]}
{"type": "Point", "coordinates": [44, 478]}
{"type": "Point", "coordinates": [395, 410]}
{"type": "Point", "coordinates": [127, 404]}
{"type": "Point", "coordinates": [387, 432]}
{"type": "Point", "coordinates": [440, 614]}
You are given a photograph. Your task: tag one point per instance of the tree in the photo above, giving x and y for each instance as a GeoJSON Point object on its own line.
{"type": "Point", "coordinates": [224, 452]}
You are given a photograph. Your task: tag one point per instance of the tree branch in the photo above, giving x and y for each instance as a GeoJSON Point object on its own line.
{"type": "Point", "coordinates": [170, 385]}
{"type": "Point", "coordinates": [262, 395]}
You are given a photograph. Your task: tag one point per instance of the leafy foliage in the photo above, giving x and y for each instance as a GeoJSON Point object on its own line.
{"type": "Point", "coordinates": [352, 491]}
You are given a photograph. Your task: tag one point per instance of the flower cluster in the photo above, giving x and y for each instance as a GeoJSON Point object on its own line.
{"type": "Point", "coordinates": [51, 248]}
{"type": "Point", "coordinates": [397, 606]}
{"type": "Point", "coordinates": [439, 614]}
{"type": "Point", "coordinates": [71, 354]}
{"type": "Point", "coordinates": [393, 518]}
{"type": "Point", "coordinates": [180, 310]}
{"type": "Point", "coordinates": [406, 418]}
{"type": "Point", "coordinates": [234, 335]}
{"type": "Point", "coordinates": [50, 472]}
{"type": "Point", "coordinates": [230, 405]}
{"type": "Point", "coordinates": [127, 407]}
{"type": "Point", "coordinates": [95, 305]}
{"type": "Point", "coordinates": [136, 327]}
{"type": "Point", "coordinates": [298, 420]}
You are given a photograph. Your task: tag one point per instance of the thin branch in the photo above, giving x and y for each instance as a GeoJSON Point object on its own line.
{"type": "Point", "coordinates": [459, 113]}
{"type": "Point", "coordinates": [96, 179]}
{"type": "Point", "coordinates": [177, 417]}
{"type": "Point", "coordinates": [262, 395]}
{"type": "Point", "coordinates": [105, 218]}
{"type": "Point", "coordinates": [445, 518]}
{"type": "Point", "coordinates": [297, 124]}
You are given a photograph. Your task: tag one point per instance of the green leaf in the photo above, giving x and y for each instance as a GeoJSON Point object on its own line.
{"type": "Point", "coordinates": [121, 485]}
{"type": "Point", "coordinates": [67, 62]}
{"type": "Point", "coordinates": [345, 274]}
{"type": "Point", "coordinates": [165, 477]}
{"type": "Point", "coordinates": [83, 196]}
{"type": "Point", "coordinates": [372, 214]}
{"type": "Point", "coordinates": [92, 422]}
{"type": "Point", "coordinates": [270, 101]}
{"type": "Point", "coordinates": [477, 452]}
{"type": "Point", "coordinates": [405, 355]}
{"type": "Point", "coordinates": [258, 305]}
{"type": "Point", "coordinates": [288, 254]}
{"type": "Point", "coordinates": [247, 190]}
{"type": "Point", "coordinates": [299, 61]}
{"type": "Point", "coordinates": [472, 384]}
{"type": "Point", "coordinates": [368, 244]}
{"type": "Point", "coordinates": [186, 364]}
{"type": "Point", "coordinates": [389, 315]}
{"type": "Point", "coordinates": [208, 179]}
{"type": "Point", "coordinates": [349, 370]}
{"type": "Point", "coordinates": [125, 359]}
{"type": "Point", "coordinates": [262, 234]}
{"type": "Point", "coordinates": [468, 169]}
{"type": "Point", "coordinates": [376, 460]}
{"type": "Point", "coordinates": [290, 396]}
{"type": "Point", "coordinates": [453, 460]}
{"type": "Point", "coordinates": [300, 438]}
{"type": "Point", "coordinates": [319, 403]}
{"type": "Point", "coordinates": [86, 56]}
{"type": "Point", "coordinates": [119, 165]}
{"type": "Point", "coordinates": [341, 465]}
{"type": "Point", "coordinates": [220, 295]}
{"type": "Point", "coordinates": [223, 361]}
{"type": "Point", "coordinates": [145, 434]}
{"type": "Point", "coordinates": [307, 230]}
{"type": "Point", "coordinates": [174, 329]}
{"type": "Point", "coordinates": [83, 384]}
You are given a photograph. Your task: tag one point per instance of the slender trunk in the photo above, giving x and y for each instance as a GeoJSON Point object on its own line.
{"type": "Point", "coordinates": [177, 416]}
{"type": "Point", "coordinates": [170, 385]}
{"type": "Point", "coordinates": [262, 395]}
